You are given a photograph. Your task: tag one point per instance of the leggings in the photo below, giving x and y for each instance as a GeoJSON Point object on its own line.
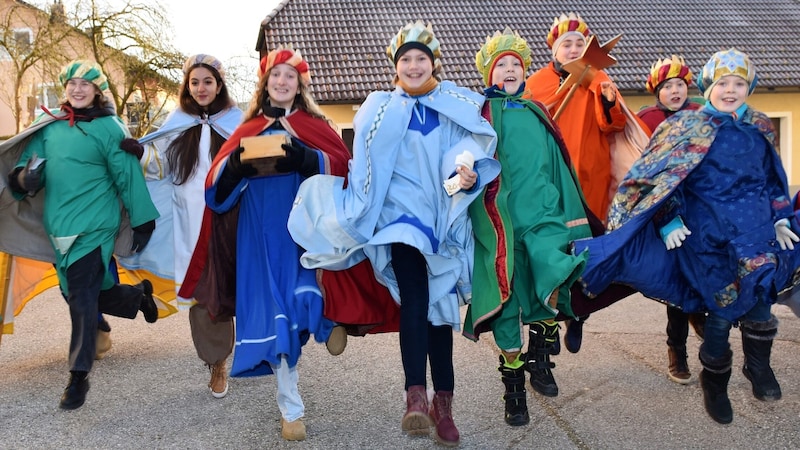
{"type": "Point", "coordinates": [420, 341]}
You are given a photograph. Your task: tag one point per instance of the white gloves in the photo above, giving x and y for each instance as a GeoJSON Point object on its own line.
{"type": "Point", "coordinates": [676, 237]}
{"type": "Point", "coordinates": [674, 233]}
{"type": "Point", "coordinates": [784, 234]}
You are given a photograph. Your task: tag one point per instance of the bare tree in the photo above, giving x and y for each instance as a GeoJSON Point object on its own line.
{"type": "Point", "coordinates": [130, 40]}
{"type": "Point", "coordinates": [136, 37]}
{"type": "Point", "coordinates": [28, 49]}
{"type": "Point", "coordinates": [241, 78]}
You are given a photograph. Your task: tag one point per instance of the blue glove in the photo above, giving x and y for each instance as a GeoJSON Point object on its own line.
{"type": "Point", "coordinates": [674, 233]}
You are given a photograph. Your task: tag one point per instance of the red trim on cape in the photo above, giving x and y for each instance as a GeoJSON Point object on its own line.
{"type": "Point", "coordinates": [352, 296]}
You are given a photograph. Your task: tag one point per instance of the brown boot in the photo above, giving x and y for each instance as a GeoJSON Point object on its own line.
{"type": "Point", "coordinates": [416, 420]}
{"type": "Point", "coordinates": [678, 365]}
{"type": "Point", "coordinates": [442, 415]}
{"type": "Point", "coordinates": [219, 379]}
{"type": "Point", "coordinates": [293, 431]}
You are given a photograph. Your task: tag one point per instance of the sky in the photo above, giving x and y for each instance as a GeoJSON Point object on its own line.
{"type": "Point", "coordinates": [223, 28]}
{"type": "Point", "coordinates": [226, 29]}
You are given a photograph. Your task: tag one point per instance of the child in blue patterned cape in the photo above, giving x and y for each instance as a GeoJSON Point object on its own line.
{"type": "Point", "coordinates": [703, 221]}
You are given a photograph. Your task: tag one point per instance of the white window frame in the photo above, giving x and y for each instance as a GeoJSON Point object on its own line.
{"type": "Point", "coordinates": [4, 55]}
{"type": "Point", "coordinates": [41, 97]}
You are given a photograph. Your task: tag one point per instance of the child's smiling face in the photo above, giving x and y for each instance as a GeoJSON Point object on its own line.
{"type": "Point", "coordinates": [414, 68]}
{"type": "Point", "coordinates": [729, 93]}
{"type": "Point", "coordinates": [508, 73]}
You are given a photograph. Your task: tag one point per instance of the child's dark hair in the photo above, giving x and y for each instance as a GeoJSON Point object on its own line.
{"type": "Point", "coordinates": [182, 154]}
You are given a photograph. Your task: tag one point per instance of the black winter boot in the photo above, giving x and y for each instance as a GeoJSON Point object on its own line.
{"type": "Point", "coordinates": [573, 338]}
{"type": "Point", "coordinates": [75, 394]}
{"type": "Point", "coordinates": [541, 339]}
{"type": "Point", "coordinates": [757, 340]}
{"type": "Point", "coordinates": [515, 397]}
{"type": "Point", "coordinates": [714, 380]}
{"type": "Point", "coordinates": [148, 305]}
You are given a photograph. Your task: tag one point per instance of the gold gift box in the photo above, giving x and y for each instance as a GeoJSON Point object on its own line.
{"type": "Point", "coordinates": [263, 151]}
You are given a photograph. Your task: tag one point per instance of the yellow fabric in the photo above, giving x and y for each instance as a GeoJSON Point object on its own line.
{"type": "Point", "coordinates": [24, 279]}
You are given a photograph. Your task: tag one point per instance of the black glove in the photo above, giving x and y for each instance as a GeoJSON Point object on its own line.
{"type": "Point", "coordinates": [31, 179]}
{"type": "Point", "coordinates": [233, 173]}
{"type": "Point", "coordinates": [133, 147]}
{"type": "Point", "coordinates": [141, 235]}
{"type": "Point", "coordinates": [239, 168]}
{"type": "Point", "coordinates": [299, 158]}
{"type": "Point", "coordinates": [14, 183]}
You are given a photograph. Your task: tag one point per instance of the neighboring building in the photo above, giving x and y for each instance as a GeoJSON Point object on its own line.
{"type": "Point", "coordinates": [20, 25]}
{"type": "Point", "coordinates": [345, 41]}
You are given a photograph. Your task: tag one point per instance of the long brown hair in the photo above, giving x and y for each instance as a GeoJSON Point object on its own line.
{"type": "Point", "coordinates": [303, 100]}
{"type": "Point", "coordinates": [182, 153]}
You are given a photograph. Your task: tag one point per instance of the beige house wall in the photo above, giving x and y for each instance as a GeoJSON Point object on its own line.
{"type": "Point", "coordinates": [782, 107]}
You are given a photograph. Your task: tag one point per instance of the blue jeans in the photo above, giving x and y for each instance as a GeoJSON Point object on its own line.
{"type": "Point", "coordinates": [717, 329]}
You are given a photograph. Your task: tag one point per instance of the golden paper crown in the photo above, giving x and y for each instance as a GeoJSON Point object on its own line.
{"type": "Point", "coordinates": [664, 69]}
{"type": "Point", "coordinates": [498, 45]}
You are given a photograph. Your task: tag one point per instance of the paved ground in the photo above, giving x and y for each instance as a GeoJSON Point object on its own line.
{"type": "Point", "coordinates": [150, 392]}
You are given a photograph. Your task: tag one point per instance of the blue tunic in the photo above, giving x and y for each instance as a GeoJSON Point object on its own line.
{"type": "Point", "coordinates": [278, 302]}
{"type": "Point", "coordinates": [405, 148]}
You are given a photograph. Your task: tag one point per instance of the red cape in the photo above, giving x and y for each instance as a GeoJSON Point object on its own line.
{"type": "Point", "coordinates": [353, 297]}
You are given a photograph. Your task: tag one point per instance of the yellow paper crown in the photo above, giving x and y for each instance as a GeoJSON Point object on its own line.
{"type": "Point", "coordinates": [664, 69]}
{"type": "Point", "coordinates": [498, 45]}
{"type": "Point", "coordinates": [565, 24]}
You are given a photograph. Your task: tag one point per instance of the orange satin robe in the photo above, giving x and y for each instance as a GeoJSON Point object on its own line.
{"type": "Point", "coordinates": [585, 130]}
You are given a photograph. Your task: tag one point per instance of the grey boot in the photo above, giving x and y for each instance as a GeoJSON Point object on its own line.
{"type": "Point", "coordinates": [714, 381]}
{"type": "Point", "coordinates": [757, 340]}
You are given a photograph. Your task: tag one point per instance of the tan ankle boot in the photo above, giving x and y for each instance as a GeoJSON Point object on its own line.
{"type": "Point", "coordinates": [103, 344]}
{"type": "Point", "coordinates": [293, 431]}
{"type": "Point", "coordinates": [337, 341]}
{"type": "Point", "coordinates": [219, 379]}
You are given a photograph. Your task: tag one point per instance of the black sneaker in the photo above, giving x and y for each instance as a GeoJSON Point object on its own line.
{"type": "Point", "coordinates": [75, 394]}
{"type": "Point", "coordinates": [148, 306]}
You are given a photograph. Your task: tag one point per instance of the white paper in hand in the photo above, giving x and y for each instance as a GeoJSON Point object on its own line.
{"type": "Point", "coordinates": [453, 184]}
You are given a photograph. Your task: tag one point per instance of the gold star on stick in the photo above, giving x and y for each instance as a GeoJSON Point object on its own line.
{"type": "Point", "coordinates": [582, 70]}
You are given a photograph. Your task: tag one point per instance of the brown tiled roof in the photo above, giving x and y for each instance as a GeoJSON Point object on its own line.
{"type": "Point", "coordinates": [344, 41]}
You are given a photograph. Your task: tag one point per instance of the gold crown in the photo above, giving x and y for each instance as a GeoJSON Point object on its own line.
{"type": "Point", "coordinates": [497, 45]}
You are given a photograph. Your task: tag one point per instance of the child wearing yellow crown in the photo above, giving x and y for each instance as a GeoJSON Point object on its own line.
{"type": "Point", "coordinates": [708, 207]}
{"type": "Point", "coordinates": [669, 80]}
{"type": "Point", "coordinates": [523, 222]}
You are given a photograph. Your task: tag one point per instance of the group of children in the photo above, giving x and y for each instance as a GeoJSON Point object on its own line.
{"type": "Point", "coordinates": [451, 198]}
